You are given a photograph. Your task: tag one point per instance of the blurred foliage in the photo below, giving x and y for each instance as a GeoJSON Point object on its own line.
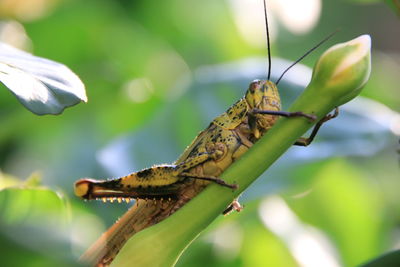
{"type": "Point", "coordinates": [28, 213]}
{"type": "Point", "coordinates": [41, 85]}
{"type": "Point", "coordinates": [395, 5]}
{"type": "Point", "coordinates": [156, 73]}
{"type": "Point", "coordinates": [389, 259]}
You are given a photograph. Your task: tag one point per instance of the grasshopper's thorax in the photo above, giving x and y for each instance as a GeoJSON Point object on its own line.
{"type": "Point", "coordinates": [262, 95]}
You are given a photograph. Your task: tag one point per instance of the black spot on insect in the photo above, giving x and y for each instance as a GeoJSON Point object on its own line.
{"type": "Point", "coordinates": [112, 183]}
{"type": "Point", "coordinates": [242, 113]}
{"type": "Point", "coordinates": [196, 147]}
{"type": "Point", "coordinates": [144, 173]}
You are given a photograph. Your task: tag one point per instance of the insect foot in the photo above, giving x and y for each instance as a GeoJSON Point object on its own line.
{"type": "Point", "coordinates": [233, 186]}
{"type": "Point", "coordinates": [234, 206]}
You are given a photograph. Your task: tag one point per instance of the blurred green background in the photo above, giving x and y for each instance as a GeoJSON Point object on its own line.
{"type": "Point", "coordinates": [156, 73]}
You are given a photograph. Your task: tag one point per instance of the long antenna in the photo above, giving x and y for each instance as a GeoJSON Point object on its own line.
{"type": "Point", "coordinates": [306, 54]}
{"type": "Point", "coordinates": [268, 45]}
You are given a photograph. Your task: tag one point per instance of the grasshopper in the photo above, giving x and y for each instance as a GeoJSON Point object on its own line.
{"type": "Point", "coordinates": [225, 140]}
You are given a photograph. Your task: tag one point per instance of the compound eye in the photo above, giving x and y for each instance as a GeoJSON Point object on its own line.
{"type": "Point", "coordinates": [254, 85]}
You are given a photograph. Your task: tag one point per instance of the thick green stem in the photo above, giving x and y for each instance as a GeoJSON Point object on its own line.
{"type": "Point", "coordinates": [338, 77]}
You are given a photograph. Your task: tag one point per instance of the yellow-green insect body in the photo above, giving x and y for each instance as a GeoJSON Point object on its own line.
{"type": "Point", "coordinates": [226, 138]}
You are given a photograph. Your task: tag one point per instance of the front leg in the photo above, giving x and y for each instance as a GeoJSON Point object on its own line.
{"type": "Point", "coordinates": [209, 178]}
{"type": "Point", "coordinates": [283, 113]}
{"type": "Point", "coordinates": [303, 141]}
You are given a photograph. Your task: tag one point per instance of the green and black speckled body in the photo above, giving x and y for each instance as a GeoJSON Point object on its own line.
{"type": "Point", "coordinates": [226, 138]}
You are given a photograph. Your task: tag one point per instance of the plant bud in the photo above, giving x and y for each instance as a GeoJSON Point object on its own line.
{"type": "Point", "coordinates": [344, 69]}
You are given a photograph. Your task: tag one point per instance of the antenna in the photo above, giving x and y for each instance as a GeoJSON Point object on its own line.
{"type": "Point", "coordinates": [306, 54]}
{"type": "Point", "coordinates": [268, 45]}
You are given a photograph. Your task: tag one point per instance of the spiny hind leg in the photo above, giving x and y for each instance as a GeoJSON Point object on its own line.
{"type": "Point", "coordinates": [155, 182]}
{"type": "Point", "coordinates": [303, 141]}
{"type": "Point", "coordinates": [142, 184]}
